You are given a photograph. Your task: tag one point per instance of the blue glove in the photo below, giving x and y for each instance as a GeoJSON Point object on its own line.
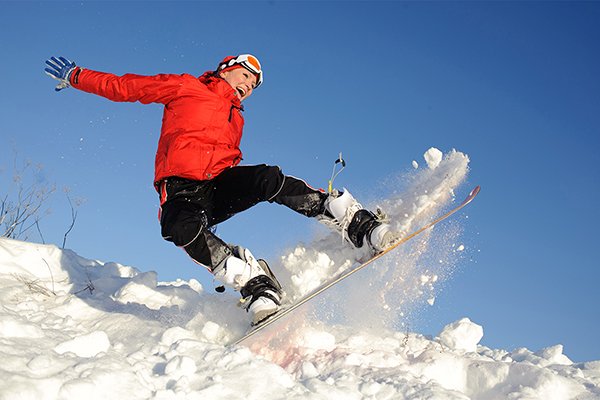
{"type": "Point", "coordinates": [61, 70]}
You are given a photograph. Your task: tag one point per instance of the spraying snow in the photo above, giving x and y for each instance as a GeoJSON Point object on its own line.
{"type": "Point", "coordinates": [403, 279]}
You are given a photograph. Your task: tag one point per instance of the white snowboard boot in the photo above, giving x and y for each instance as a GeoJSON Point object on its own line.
{"type": "Point", "coordinates": [356, 224]}
{"type": "Point", "coordinates": [260, 290]}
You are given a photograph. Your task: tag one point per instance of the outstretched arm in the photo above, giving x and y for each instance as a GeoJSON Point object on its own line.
{"type": "Point", "coordinates": [130, 87]}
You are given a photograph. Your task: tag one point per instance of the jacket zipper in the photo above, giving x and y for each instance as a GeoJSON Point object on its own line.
{"type": "Point", "coordinates": [233, 106]}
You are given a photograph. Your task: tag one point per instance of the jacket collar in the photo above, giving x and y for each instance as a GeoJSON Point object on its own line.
{"type": "Point", "coordinates": [219, 86]}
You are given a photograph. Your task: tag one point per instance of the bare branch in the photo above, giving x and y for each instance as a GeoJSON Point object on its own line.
{"type": "Point", "coordinates": [73, 219]}
{"type": "Point", "coordinates": [23, 202]}
{"type": "Point", "coordinates": [51, 274]}
{"type": "Point", "coordinates": [37, 225]}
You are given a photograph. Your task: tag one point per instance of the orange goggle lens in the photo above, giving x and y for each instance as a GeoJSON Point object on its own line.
{"type": "Point", "coordinates": [252, 62]}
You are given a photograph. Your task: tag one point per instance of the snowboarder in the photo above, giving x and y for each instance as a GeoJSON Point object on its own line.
{"type": "Point", "coordinates": [198, 177]}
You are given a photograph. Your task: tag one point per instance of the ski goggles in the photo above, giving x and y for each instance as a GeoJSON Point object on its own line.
{"type": "Point", "coordinates": [247, 61]}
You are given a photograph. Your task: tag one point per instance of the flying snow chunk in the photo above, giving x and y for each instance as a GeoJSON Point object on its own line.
{"type": "Point", "coordinates": [415, 164]}
{"type": "Point", "coordinates": [433, 157]}
{"type": "Point", "coordinates": [462, 335]}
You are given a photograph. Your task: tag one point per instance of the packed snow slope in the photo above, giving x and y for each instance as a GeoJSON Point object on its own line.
{"type": "Point", "coordinates": [75, 328]}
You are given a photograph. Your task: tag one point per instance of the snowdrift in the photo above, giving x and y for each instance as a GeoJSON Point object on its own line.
{"type": "Point", "coordinates": [72, 327]}
{"type": "Point", "coordinates": [76, 328]}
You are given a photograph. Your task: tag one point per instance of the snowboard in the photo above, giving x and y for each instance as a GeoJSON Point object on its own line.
{"type": "Point", "coordinates": [286, 310]}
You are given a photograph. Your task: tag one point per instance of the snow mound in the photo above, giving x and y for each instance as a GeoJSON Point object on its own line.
{"type": "Point", "coordinates": [68, 330]}
{"type": "Point", "coordinates": [462, 335]}
{"type": "Point", "coordinates": [88, 345]}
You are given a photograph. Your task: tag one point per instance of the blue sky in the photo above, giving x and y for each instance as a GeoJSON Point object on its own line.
{"type": "Point", "coordinates": [514, 85]}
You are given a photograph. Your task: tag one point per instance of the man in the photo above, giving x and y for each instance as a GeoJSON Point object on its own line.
{"type": "Point", "coordinates": [199, 179]}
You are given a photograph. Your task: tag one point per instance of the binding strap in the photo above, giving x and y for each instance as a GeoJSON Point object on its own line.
{"type": "Point", "coordinates": [259, 286]}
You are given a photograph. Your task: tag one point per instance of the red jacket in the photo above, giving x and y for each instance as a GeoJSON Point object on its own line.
{"type": "Point", "coordinates": [202, 121]}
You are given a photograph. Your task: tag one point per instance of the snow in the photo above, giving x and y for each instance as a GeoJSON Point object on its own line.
{"type": "Point", "coordinates": [461, 335]}
{"type": "Point", "coordinates": [433, 157]}
{"type": "Point", "coordinates": [86, 346]}
{"type": "Point", "coordinates": [71, 327]}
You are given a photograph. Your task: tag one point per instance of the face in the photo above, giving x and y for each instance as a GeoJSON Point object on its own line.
{"type": "Point", "coordinates": [241, 80]}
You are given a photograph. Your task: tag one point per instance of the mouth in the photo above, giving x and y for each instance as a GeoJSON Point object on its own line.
{"type": "Point", "coordinates": [241, 92]}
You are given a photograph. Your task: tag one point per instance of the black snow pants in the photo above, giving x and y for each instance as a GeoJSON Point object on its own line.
{"type": "Point", "coordinates": [190, 208]}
